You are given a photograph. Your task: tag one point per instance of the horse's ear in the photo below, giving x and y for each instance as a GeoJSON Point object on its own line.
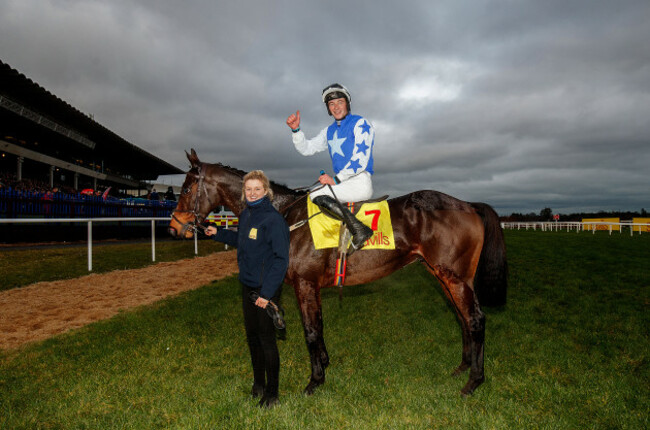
{"type": "Point", "coordinates": [194, 159]}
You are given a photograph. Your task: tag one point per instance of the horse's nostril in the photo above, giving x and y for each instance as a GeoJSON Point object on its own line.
{"type": "Point", "coordinates": [172, 231]}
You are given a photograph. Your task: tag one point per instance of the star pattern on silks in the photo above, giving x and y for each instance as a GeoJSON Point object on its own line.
{"type": "Point", "coordinates": [362, 147]}
{"type": "Point", "coordinates": [365, 127]}
{"type": "Point", "coordinates": [335, 144]}
{"type": "Point", "coordinates": [355, 165]}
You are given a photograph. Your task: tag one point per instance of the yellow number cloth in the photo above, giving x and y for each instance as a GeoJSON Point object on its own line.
{"type": "Point", "coordinates": [325, 230]}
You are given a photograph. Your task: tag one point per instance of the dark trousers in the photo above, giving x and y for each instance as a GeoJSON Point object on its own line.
{"type": "Point", "coordinates": [260, 334]}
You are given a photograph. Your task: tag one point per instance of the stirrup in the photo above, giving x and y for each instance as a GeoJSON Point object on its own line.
{"type": "Point", "coordinates": [365, 231]}
{"type": "Point", "coordinates": [354, 247]}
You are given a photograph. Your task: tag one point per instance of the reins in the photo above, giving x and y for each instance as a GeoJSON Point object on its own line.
{"type": "Point", "coordinates": [285, 210]}
{"type": "Point", "coordinates": [313, 187]}
{"type": "Point", "coordinates": [196, 226]}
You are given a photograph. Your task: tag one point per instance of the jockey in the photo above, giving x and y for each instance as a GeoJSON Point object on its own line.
{"type": "Point", "coordinates": [349, 141]}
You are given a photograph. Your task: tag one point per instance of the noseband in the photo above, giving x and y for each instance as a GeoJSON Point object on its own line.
{"type": "Point", "coordinates": [195, 225]}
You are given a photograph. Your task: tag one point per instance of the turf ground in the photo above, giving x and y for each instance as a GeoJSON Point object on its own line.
{"type": "Point", "coordinates": [569, 350]}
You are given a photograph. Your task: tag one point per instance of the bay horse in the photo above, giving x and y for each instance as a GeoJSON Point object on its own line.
{"type": "Point", "coordinates": [461, 244]}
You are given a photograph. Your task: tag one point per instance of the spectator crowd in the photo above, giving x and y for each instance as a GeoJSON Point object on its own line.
{"type": "Point", "coordinates": [9, 182]}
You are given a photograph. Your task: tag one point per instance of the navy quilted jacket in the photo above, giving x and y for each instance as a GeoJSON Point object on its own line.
{"type": "Point", "coordinates": [262, 241]}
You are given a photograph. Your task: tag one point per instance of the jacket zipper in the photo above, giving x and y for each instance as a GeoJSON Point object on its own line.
{"type": "Point", "coordinates": [262, 273]}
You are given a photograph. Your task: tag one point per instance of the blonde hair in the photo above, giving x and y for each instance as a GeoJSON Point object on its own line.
{"type": "Point", "coordinates": [260, 176]}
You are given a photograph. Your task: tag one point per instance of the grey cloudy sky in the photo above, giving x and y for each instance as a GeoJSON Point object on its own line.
{"type": "Point", "coordinates": [520, 104]}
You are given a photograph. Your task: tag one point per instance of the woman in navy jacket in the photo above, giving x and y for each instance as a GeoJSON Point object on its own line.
{"type": "Point", "coordinates": [262, 242]}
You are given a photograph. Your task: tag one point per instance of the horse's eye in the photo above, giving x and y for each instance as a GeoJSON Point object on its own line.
{"type": "Point", "coordinates": [185, 191]}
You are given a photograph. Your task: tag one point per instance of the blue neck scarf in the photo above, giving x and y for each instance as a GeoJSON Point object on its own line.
{"type": "Point", "coordinates": [256, 202]}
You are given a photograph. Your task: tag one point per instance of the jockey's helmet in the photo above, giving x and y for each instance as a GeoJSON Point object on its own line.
{"type": "Point", "coordinates": [336, 91]}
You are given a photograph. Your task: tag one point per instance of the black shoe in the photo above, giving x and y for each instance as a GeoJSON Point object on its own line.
{"type": "Point", "coordinates": [258, 390]}
{"type": "Point", "coordinates": [268, 402]}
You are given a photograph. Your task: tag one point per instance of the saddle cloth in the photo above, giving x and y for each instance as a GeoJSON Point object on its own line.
{"type": "Point", "coordinates": [325, 230]}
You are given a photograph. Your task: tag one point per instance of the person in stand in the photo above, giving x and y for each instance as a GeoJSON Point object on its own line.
{"type": "Point", "coordinates": [154, 195]}
{"type": "Point", "coordinates": [169, 195]}
{"type": "Point", "coordinates": [349, 141]}
{"type": "Point", "coordinates": [262, 242]}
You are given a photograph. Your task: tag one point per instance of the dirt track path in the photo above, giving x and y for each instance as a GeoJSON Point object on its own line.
{"type": "Point", "coordinates": [45, 309]}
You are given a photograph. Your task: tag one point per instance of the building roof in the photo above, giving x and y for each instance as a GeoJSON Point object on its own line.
{"type": "Point", "coordinates": [33, 117]}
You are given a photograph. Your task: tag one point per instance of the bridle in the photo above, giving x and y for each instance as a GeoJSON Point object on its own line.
{"type": "Point", "coordinates": [195, 225]}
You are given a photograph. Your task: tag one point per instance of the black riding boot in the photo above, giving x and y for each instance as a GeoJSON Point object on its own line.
{"type": "Point", "coordinates": [360, 231]}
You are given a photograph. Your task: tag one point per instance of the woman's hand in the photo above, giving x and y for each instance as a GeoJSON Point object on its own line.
{"type": "Point", "coordinates": [261, 302]}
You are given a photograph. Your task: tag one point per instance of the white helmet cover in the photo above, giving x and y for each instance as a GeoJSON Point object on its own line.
{"type": "Point", "coordinates": [336, 88]}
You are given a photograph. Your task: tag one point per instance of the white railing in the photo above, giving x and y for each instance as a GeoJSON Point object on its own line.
{"type": "Point", "coordinates": [578, 226]}
{"type": "Point", "coordinates": [90, 221]}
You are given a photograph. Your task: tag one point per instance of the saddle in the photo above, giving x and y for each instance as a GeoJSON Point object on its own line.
{"type": "Point", "coordinates": [352, 206]}
{"type": "Point", "coordinates": [344, 243]}
{"type": "Point", "coordinates": [327, 234]}
{"type": "Point", "coordinates": [355, 206]}
{"type": "Point", "coordinates": [378, 199]}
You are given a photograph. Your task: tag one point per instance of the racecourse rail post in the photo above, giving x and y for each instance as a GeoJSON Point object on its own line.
{"type": "Point", "coordinates": [90, 246]}
{"type": "Point", "coordinates": [226, 246]}
{"type": "Point", "coordinates": [89, 223]}
{"type": "Point", "coordinates": [153, 240]}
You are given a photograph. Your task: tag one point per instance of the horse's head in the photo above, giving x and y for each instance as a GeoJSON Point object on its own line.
{"type": "Point", "coordinates": [207, 186]}
{"type": "Point", "coordinates": [198, 198]}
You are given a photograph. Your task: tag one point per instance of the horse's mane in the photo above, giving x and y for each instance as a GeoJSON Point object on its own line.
{"type": "Point", "coordinates": [277, 187]}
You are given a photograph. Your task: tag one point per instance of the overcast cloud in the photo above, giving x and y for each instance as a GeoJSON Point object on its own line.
{"type": "Point", "coordinates": [520, 104]}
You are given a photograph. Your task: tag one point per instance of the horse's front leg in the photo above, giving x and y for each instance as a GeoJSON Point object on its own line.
{"type": "Point", "coordinates": [308, 295]}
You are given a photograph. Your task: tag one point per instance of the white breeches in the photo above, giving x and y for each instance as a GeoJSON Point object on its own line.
{"type": "Point", "coordinates": [355, 189]}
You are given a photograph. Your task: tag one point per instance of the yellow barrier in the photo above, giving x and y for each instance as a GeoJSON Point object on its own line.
{"type": "Point", "coordinates": [223, 220]}
{"type": "Point", "coordinates": [607, 227]}
{"type": "Point", "coordinates": [641, 228]}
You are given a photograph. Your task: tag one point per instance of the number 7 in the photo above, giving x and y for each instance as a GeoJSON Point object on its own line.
{"type": "Point", "coordinates": [375, 218]}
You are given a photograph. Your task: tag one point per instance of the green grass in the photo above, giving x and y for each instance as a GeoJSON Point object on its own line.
{"type": "Point", "coordinates": [20, 266]}
{"type": "Point", "coordinates": [570, 350]}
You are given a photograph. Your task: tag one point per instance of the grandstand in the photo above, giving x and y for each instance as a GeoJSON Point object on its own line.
{"type": "Point", "coordinates": [45, 139]}
{"type": "Point", "coordinates": [57, 162]}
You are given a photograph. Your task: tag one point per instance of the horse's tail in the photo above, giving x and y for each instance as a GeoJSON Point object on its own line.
{"type": "Point", "coordinates": [490, 282]}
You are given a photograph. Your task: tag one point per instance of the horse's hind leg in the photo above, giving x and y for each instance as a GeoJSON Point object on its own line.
{"type": "Point", "coordinates": [466, 359]}
{"type": "Point", "coordinates": [472, 322]}
{"type": "Point", "coordinates": [308, 296]}
{"type": "Point", "coordinates": [477, 339]}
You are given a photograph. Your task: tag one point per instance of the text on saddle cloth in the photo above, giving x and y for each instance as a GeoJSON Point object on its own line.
{"type": "Point", "coordinates": [325, 230]}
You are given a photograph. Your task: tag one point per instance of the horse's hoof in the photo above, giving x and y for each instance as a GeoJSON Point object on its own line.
{"type": "Point", "coordinates": [268, 402]}
{"type": "Point", "coordinates": [471, 385]}
{"type": "Point", "coordinates": [460, 369]}
{"type": "Point", "coordinates": [466, 392]}
{"type": "Point", "coordinates": [311, 387]}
